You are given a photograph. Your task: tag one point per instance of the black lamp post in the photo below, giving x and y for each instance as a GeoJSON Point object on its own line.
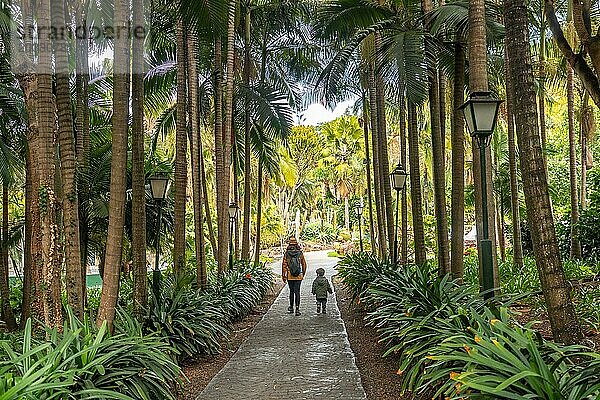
{"type": "Point", "coordinates": [481, 115]}
{"type": "Point", "coordinates": [398, 178]}
{"type": "Point", "coordinates": [159, 187]}
{"type": "Point", "coordinates": [359, 207]}
{"type": "Point", "coordinates": [233, 213]}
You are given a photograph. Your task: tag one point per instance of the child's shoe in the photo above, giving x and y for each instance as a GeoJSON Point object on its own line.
{"type": "Point", "coordinates": [318, 308]}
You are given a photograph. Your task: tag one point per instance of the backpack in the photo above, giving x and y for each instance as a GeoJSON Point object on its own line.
{"type": "Point", "coordinates": [294, 263]}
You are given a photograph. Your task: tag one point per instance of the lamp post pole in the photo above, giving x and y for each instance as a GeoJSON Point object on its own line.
{"type": "Point", "coordinates": [481, 114]}
{"type": "Point", "coordinates": [359, 211]}
{"type": "Point", "coordinates": [159, 186]}
{"type": "Point", "coordinates": [398, 178]}
{"type": "Point", "coordinates": [156, 272]}
{"type": "Point", "coordinates": [233, 211]}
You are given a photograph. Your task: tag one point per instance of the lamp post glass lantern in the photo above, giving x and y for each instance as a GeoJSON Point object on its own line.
{"type": "Point", "coordinates": [481, 115]}
{"type": "Point", "coordinates": [233, 214]}
{"type": "Point", "coordinates": [159, 188]}
{"type": "Point", "coordinates": [398, 180]}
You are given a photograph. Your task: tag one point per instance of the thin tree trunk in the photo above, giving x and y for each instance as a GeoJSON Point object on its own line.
{"type": "Point", "coordinates": [7, 313]}
{"type": "Point", "coordinates": [457, 245]}
{"type": "Point", "coordinates": [247, 153]}
{"type": "Point", "coordinates": [220, 174]}
{"type": "Point", "coordinates": [478, 82]}
{"type": "Point", "coordinates": [542, 80]}
{"type": "Point", "coordinates": [205, 197]}
{"type": "Point", "coordinates": [118, 181]}
{"type": "Point", "coordinates": [500, 229]}
{"type": "Point", "coordinates": [586, 118]}
{"type": "Point", "coordinates": [74, 280]}
{"type": "Point", "coordinates": [512, 163]}
{"type": "Point", "coordinates": [437, 149]}
{"type": "Point", "coordinates": [575, 243]}
{"type": "Point", "coordinates": [51, 286]}
{"type": "Point", "coordinates": [28, 268]}
{"type": "Point", "coordinates": [415, 186]}
{"type": "Point", "coordinates": [368, 168]}
{"type": "Point", "coordinates": [138, 184]}
{"type": "Point", "coordinates": [180, 180]}
{"type": "Point", "coordinates": [384, 160]}
{"type": "Point", "coordinates": [195, 151]}
{"type": "Point", "coordinates": [565, 327]}
{"type": "Point", "coordinates": [379, 198]}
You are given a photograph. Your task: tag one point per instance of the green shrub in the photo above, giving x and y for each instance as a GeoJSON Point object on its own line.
{"type": "Point", "coordinates": [190, 322]}
{"type": "Point", "coordinates": [495, 358]}
{"type": "Point", "coordinates": [319, 232]}
{"type": "Point", "coordinates": [83, 362]}
{"type": "Point", "coordinates": [359, 270]}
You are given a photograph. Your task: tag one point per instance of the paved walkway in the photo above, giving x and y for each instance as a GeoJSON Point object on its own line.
{"type": "Point", "coordinates": [291, 357]}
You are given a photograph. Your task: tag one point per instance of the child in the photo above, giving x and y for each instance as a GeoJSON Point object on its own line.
{"type": "Point", "coordinates": [320, 288]}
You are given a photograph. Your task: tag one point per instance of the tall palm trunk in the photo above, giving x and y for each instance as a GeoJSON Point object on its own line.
{"type": "Point", "coordinates": [542, 80]}
{"type": "Point", "coordinates": [82, 77]}
{"type": "Point", "coordinates": [585, 125]}
{"type": "Point", "coordinates": [28, 268]}
{"type": "Point", "coordinates": [575, 243]}
{"type": "Point", "coordinates": [565, 327]}
{"type": "Point", "coordinates": [415, 185]}
{"type": "Point", "coordinates": [512, 164]}
{"type": "Point", "coordinates": [7, 314]}
{"type": "Point", "coordinates": [180, 156]}
{"type": "Point", "coordinates": [478, 82]}
{"type": "Point", "coordinates": [379, 198]}
{"type": "Point", "coordinates": [118, 181]}
{"type": "Point", "coordinates": [223, 183]}
{"type": "Point", "coordinates": [438, 148]}
{"type": "Point", "coordinates": [74, 281]}
{"type": "Point", "coordinates": [205, 198]}
{"type": "Point", "coordinates": [220, 173]}
{"type": "Point", "coordinates": [51, 285]}
{"type": "Point", "coordinates": [368, 168]}
{"type": "Point", "coordinates": [196, 154]}
{"type": "Point", "coordinates": [457, 245]}
{"type": "Point", "coordinates": [247, 163]}
{"type": "Point", "coordinates": [138, 198]}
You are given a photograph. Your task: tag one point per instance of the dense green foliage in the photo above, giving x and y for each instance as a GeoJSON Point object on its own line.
{"type": "Point", "coordinates": [450, 343]}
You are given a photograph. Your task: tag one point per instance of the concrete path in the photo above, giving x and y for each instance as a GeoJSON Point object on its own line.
{"type": "Point", "coordinates": [291, 357]}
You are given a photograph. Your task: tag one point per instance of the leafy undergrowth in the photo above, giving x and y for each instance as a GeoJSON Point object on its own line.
{"type": "Point", "coordinates": [138, 361]}
{"type": "Point", "coordinates": [450, 343]}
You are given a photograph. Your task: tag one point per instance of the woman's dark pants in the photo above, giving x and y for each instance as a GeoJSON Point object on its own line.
{"type": "Point", "coordinates": [294, 292]}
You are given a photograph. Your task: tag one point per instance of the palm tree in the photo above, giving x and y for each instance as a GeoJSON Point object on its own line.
{"type": "Point", "coordinates": [180, 181]}
{"type": "Point", "coordinates": [74, 281]}
{"type": "Point", "coordinates": [458, 166]}
{"type": "Point", "coordinates": [138, 184]}
{"type": "Point", "coordinates": [565, 327]}
{"type": "Point", "coordinates": [51, 285]}
{"type": "Point", "coordinates": [116, 207]}
{"type": "Point", "coordinates": [512, 162]}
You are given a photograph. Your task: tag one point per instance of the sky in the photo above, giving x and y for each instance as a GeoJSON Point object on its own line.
{"type": "Point", "coordinates": [316, 114]}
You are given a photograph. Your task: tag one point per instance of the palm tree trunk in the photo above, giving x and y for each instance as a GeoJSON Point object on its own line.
{"type": "Point", "coordinates": [247, 154]}
{"type": "Point", "coordinates": [138, 184]}
{"type": "Point", "coordinates": [438, 148]}
{"type": "Point", "coordinates": [368, 168]}
{"type": "Point", "coordinates": [478, 82]}
{"type": "Point", "coordinates": [220, 174]}
{"type": "Point", "coordinates": [457, 245]}
{"type": "Point", "coordinates": [180, 180]}
{"type": "Point", "coordinates": [384, 160]}
{"type": "Point", "coordinates": [565, 327]}
{"type": "Point", "coordinates": [542, 80]}
{"type": "Point", "coordinates": [575, 243]}
{"type": "Point", "coordinates": [28, 268]}
{"type": "Point", "coordinates": [500, 228]}
{"type": "Point", "coordinates": [512, 163]}
{"type": "Point", "coordinates": [195, 151]}
{"type": "Point", "coordinates": [118, 181]}
{"type": "Point", "coordinates": [205, 198]}
{"type": "Point", "coordinates": [7, 313]}
{"type": "Point", "coordinates": [51, 285]}
{"type": "Point", "coordinates": [259, 196]}
{"type": "Point", "coordinates": [415, 186]}
{"type": "Point", "coordinates": [74, 281]}
{"type": "Point", "coordinates": [586, 119]}
{"type": "Point", "coordinates": [379, 198]}
{"type": "Point", "coordinates": [82, 78]}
